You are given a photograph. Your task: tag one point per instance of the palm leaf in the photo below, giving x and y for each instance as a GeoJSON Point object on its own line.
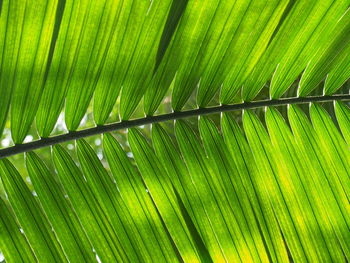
{"type": "Point", "coordinates": [67, 226]}
{"type": "Point", "coordinates": [32, 219]}
{"type": "Point", "coordinates": [226, 217]}
{"type": "Point", "coordinates": [245, 186]}
{"type": "Point", "coordinates": [13, 244]}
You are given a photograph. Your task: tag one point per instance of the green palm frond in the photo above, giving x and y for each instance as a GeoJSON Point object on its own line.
{"type": "Point", "coordinates": [266, 181]}
{"type": "Point", "coordinates": [56, 52]}
{"type": "Point", "coordinates": [226, 196]}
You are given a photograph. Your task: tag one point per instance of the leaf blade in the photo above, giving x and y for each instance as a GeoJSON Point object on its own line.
{"type": "Point", "coordinates": [139, 202]}
{"type": "Point", "coordinates": [13, 244]}
{"type": "Point", "coordinates": [32, 219]}
{"type": "Point", "coordinates": [163, 195]}
{"type": "Point", "coordinates": [67, 227]}
{"type": "Point", "coordinates": [95, 223]}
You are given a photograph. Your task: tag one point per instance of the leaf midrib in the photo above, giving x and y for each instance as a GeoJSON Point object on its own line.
{"type": "Point", "coordinates": [74, 135]}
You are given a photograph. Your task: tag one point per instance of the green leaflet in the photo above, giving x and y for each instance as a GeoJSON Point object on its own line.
{"type": "Point", "coordinates": [131, 58]}
{"type": "Point", "coordinates": [208, 185]}
{"type": "Point", "coordinates": [92, 217]}
{"type": "Point", "coordinates": [30, 216]}
{"type": "Point", "coordinates": [187, 76]}
{"type": "Point", "coordinates": [310, 203]}
{"type": "Point", "coordinates": [343, 116]}
{"type": "Point", "coordinates": [334, 54]}
{"type": "Point", "coordinates": [249, 173]}
{"type": "Point", "coordinates": [278, 190]}
{"type": "Point", "coordinates": [306, 29]}
{"type": "Point", "coordinates": [176, 11]}
{"type": "Point", "coordinates": [161, 190]}
{"type": "Point", "coordinates": [234, 190]}
{"type": "Point", "coordinates": [325, 178]}
{"type": "Point", "coordinates": [339, 74]}
{"type": "Point", "coordinates": [106, 193]}
{"type": "Point", "coordinates": [66, 51]}
{"type": "Point", "coordinates": [25, 50]}
{"type": "Point", "coordinates": [62, 218]}
{"type": "Point", "coordinates": [307, 138]}
{"type": "Point", "coordinates": [6, 94]}
{"type": "Point", "coordinates": [185, 46]}
{"type": "Point", "coordinates": [95, 36]}
{"type": "Point", "coordinates": [142, 65]}
{"type": "Point", "coordinates": [337, 156]}
{"type": "Point", "coordinates": [248, 45]}
{"type": "Point", "coordinates": [112, 70]}
{"type": "Point", "coordinates": [188, 192]}
{"type": "Point", "coordinates": [139, 202]}
{"type": "Point", "coordinates": [315, 35]}
{"type": "Point", "coordinates": [13, 244]}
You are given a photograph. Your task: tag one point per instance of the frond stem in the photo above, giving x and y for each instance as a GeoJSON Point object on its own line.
{"type": "Point", "coordinates": [74, 135]}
